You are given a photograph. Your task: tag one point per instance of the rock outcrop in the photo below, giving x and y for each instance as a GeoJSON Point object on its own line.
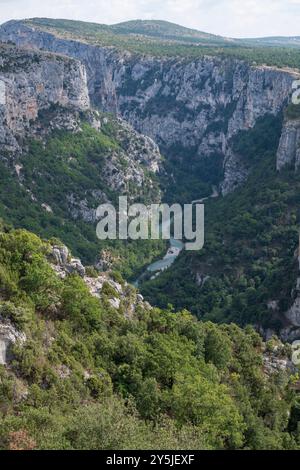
{"type": "Point", "coordinates": [291, 331]}
{"type": "Point", "coordinates": [275, 362]}
{"type": "Point", "coordinates": [196, 105]}
{"type": "Point", "coordinates": [119, 295]}
{"type": "Point", "coordinates": [289, 146]}
{"type": "Point", "coordinates": [63, 263]}
{"type": "Point", "coordinates": [41, 93]}
{"type": "Point", "coordinates": [31, 82]}
{"type": "Point", "coordinates": [9, 335]}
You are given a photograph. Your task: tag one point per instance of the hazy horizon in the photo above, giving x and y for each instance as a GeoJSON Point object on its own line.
{"type": "Point", "coordinates": [230, 18]}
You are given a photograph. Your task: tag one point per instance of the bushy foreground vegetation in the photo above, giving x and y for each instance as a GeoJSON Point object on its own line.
{"type": "Point", "coordinates": [88, 378]}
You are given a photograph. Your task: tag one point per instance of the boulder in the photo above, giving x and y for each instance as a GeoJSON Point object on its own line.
{"type": "Point", "coordinates": [9, 335]}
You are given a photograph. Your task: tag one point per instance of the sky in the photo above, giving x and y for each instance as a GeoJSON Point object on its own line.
{"type": "Point", "coordinates": [231, 18]}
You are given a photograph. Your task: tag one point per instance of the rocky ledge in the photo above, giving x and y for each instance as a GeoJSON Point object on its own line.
{"type": "Point", "coordinates": [122, 297]}
{"type": "Point", "coordinates": [32, 81]}
{"type": "Point", "coordinates": [9, 335]}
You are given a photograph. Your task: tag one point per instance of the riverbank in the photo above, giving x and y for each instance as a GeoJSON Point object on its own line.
{"type": "Point", "coordinates": [174, 250]}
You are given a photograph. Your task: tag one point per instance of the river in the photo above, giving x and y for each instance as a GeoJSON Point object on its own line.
{"type": "Point", "coordinates": [174, 250]}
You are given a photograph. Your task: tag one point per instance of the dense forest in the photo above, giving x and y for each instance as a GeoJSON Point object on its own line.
{"type": "Point", "coordinates": [89, 377]}
{"type": "Point", "coordinates": [251, 237]}
{"type": "Point", "coordinates": [60, 164]}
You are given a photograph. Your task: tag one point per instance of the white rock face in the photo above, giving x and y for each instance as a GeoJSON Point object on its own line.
{"type": "Point", "coordinates": [289, 146]}
{"type": "Point", "coordinates": [9, 335]}
{"type": "Point", "coordinates": [273, 364]}
{"type": "Point", "coordinates": [34, 81]}
{"type": "Point", "coordinates": [64, 264]}
{"type": "Point", "coordinates": [121, 295]}
{"type": "Point", "coordinates": [2, 93]}
{"type": "Point", "coordinates": [198, 105]}
{"type": "Point", "coordinates": [115, 302]}
{"type": "Point", "coordinates": [47, 208]}
{"type": "Point", "coordinates": [235, 174]}
{"type": "Point", "coordinates": [293, 314]}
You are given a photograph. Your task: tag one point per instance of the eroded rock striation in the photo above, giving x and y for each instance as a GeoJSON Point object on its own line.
{"type": "Point", "coordinates": [193, 106]}
{"type": "Point", "coordinates": [31, 82]}
{"type": "Point", "coordinates": [42, 93]}
{"type": "Point", "coordinates": [289, 146]}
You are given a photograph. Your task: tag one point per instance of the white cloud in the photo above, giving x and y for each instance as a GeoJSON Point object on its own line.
{"type": "Point", "coordinates": [236, 18]}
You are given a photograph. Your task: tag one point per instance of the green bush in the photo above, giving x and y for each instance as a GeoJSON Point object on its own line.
{"type": "Point", "coordinates": [87, 377]}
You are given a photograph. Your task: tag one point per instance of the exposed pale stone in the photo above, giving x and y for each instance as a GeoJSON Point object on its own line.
{"type": "Point", "coordinates": [201, 279]}
{"type": "Point", "coordinates": [115, 302]}
{"type": "Point", "coordinates": [9, 335]}
{"type": "Point", "coordinates": [293, 314]}
{"type": "Point", "coordinates": [60, 254]}
{"type": "Point", "coordinates": [273, 364]}
{"type": "Point", "coordinates": [289, 146]}
{"type": "Point", "coordinates": [32, 81]}
{"type": "Point", "coordinates": [18, 169]}
{"type": "Point", "coordinates": [2, 93]}
{"type": "Point", "coordinates": [63, 264]}
{"type": "Point", "coordinates": [63, 371]}
{"type": "Point", "coordinates": [75, 266]}
{"type": "Point", "coordinates": [197, 104]}
{"type": "Point", "coordinates": [273, 305]}
{"type": "Point", "coordinates": [47, 208]}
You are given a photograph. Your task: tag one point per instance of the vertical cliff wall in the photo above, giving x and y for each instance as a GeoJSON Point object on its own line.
{"type": "Point", "coordinates": [289, 146]}
{"type": "Point", "coordinates": [191, 106]}
{"type": "Point", "coordinates": [31, 82]}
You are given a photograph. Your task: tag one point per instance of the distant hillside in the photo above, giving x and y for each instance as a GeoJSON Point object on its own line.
{"type": "Point", "coordinates": [164, 39]}
{"type": "Point", "coordinates": [163, 30]}
{"type": "Point", "coordinates": [158, 30]}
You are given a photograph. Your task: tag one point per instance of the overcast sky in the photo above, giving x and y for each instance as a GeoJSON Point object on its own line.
{"type": "Point", "coordinates": [235, 18]}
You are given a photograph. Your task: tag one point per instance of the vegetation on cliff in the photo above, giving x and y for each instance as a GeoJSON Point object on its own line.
{"type": "Point", "coordinates": [63, 175]}
{"type": "Point", "coordinates": [90, 375]}
{"type": "Point", "coordinates": [165, 39]}
{"type": "Point", "coordinates": [252, 235]}
{"type": "Point", "coordinates": [87, 377]}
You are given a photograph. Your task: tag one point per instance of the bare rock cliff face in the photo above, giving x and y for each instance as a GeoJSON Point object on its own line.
{"type": "Point", "coordinates": [196, 105]}
{"type": "Point", "coordinates": [289, 146]}
{"type": "Point", "coordinates": [31, 82]}
{"type": "Point", "coordinates": [41, 92]}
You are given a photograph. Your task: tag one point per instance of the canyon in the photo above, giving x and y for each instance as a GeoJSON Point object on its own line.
{"type": "Point", "coordinates": [196, 353]}
{"type": "Point", "coordinates": [191, 108]}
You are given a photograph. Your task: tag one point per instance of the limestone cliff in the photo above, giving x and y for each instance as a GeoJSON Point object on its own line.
{"type": "Point", "coordinates": [34, 81]}
{"type": "Point", "coordinates": [291, 329]}
{"type": "Point", "coordinates": [194, 105]}
{"type": "Point", "coordinates": [42, 93]}
{"type": "Point", "coordinates": [289, 146]}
